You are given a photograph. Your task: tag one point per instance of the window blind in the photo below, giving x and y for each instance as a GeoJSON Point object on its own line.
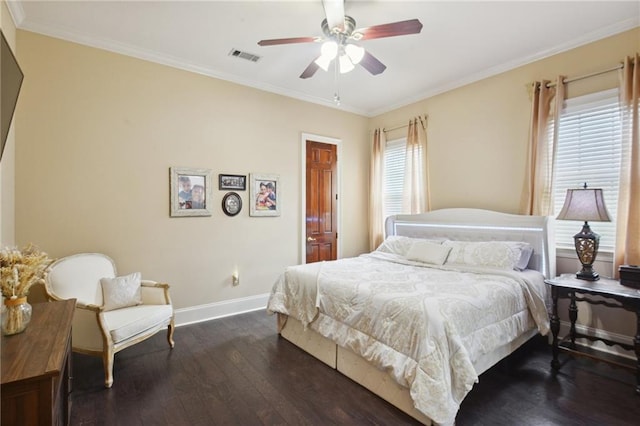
{"type": "Point", "coordinates": [394, 158]}
{"type": "Point", "coordinates": [588, 150]}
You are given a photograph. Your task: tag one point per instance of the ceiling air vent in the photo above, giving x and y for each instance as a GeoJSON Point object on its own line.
{"type": "Point", "coordinates": [244, 55]}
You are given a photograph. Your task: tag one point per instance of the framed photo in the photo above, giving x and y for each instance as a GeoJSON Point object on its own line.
{"type": "Point", "coordinates": [231, 204]}
{"type": "Point", "coordinates": [190, 191]}
{"type": "Point", "coordinates": [237, 182]}
{"type": "Point", "coordinates": [265, 196]}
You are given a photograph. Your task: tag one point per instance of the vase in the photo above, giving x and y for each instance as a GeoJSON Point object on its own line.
{"type": "Point", "coordinates": [16, 316]}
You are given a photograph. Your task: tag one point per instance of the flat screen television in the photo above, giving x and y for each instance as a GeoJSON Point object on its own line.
{"type": "Point", "coordinates": [10, 82]}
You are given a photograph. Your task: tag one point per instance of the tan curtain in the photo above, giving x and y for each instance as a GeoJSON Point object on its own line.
{"type": "Point", "coordinates": [537, 195]}
{"type": "Point", "coordinates": [628, 216]}
{"type": "Point", "coordinates": [415, 196]}
{"type": "Point", "coordinates": [376, 188]}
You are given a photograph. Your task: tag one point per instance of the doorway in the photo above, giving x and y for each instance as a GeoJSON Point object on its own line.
{"type": "Point", "coordinates": [321, 199]}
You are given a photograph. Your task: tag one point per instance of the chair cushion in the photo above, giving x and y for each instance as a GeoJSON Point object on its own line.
{"type": "Point", "coordinates": [120, 292]}
{"type": "Point", "coordinates": [126, 323]}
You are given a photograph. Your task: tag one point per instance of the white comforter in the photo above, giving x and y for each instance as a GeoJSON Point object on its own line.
{"type": "Point", "coordinates": [426, 326]}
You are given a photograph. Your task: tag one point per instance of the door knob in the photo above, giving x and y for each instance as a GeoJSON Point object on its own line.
{"type": "Point", "coordinates": [310, 239]}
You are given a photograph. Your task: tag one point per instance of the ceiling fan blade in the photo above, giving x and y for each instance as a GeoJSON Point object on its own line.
{"type": "Point", "coordinates": [412, 26]}
{"type": "Point", "coordinates": [276, 41]}
{"type": "Point", "coordinates": [372, 64]}
{"type": "Point", "coordinates": [334, 11]}
{"type": "Point", "coordinates": [310, 70]}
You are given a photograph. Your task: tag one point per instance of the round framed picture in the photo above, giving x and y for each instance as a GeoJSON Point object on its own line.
{"type": "Point", "coordinates": [231, 204]}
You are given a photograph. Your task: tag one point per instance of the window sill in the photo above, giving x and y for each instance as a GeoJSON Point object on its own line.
{"type": "Point", "coordinates": [566, 253]}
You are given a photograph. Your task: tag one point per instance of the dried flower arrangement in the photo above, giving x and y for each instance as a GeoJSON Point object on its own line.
{"type": "Point", "coordinates": [19, 270]}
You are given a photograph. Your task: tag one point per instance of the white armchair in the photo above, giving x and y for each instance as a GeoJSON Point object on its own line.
{"type": "Point", "coordinates": [101, 332]}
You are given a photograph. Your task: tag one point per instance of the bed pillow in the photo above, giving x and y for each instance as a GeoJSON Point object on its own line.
{"type": "Point", "coordinates": [428, 252]}
{"type": "Point", "coordinates": [525, 255]}
{"type": "Point", "coordinates": [121, 292]}
{"type": "Point", "coordinates": [490, 254]}
{"type": "Point", "coordinates": [400, 245]}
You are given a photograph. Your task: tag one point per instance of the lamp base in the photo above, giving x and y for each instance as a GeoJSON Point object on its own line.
{"type": "Point", "coordinates": [587, 242]}
{"type": "Point", "coordinates": [588, 274]}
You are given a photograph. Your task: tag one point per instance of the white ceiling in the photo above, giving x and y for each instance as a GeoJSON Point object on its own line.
{"type": "Point", "coordinates": [460, 42]}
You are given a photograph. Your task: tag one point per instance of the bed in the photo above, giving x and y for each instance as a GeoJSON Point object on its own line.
{"type": "Point", "coordinates": [447, 295]}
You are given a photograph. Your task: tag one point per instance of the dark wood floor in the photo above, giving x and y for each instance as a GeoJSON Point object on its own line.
{"type": "Point", "coordinates": [237, 371]}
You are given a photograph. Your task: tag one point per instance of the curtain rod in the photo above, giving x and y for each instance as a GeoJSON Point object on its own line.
{"type": "Point", "coordinates": [593, 74]}
{"type": "Point", "coordinates": [384, 129]}
{"type": "Point", "coordinates": [401, 126]}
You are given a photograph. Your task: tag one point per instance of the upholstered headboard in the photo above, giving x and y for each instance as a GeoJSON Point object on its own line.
{"type": "Point", "coordinates": [483, 225]}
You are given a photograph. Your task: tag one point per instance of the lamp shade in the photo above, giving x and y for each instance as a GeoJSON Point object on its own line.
{"type": "Point", "coordinates": [345, 64]}
{"type": "Point", "coordinates": [329, 49]}
{"type": "Point", "coordinates": [584, 204]}
{"type": "Point", "coordinates": [324, 62]}
{"type": "Point", "coordinates": [355, 53]}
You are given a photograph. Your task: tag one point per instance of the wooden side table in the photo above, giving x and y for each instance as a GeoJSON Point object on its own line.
{"type": "Point", "coordinates": [36, 368]}
{"type": "Point", "coordinates": [569, 287]}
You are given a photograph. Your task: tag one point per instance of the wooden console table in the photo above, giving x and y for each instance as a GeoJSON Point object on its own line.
{"type": "Point", "coordinates": [569, 287]}
{"type": "Point", "coordinates": [36, 368]}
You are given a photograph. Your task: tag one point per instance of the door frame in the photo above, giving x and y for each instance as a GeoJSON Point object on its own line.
{"type": "Point", "coordinates": [303, 190]}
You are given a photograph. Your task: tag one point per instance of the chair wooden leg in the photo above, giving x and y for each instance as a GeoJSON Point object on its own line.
{"type": "Point", "coordinates": [170, 334]}
{"type": "Point", "coordinates": [107, 361]}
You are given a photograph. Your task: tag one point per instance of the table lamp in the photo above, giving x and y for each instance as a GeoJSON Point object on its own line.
{"type": "Point", "coordinates": [587, 205]}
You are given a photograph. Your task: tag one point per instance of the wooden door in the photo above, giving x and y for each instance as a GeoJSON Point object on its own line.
{"type": "Point", "coordinates": [322, 202]}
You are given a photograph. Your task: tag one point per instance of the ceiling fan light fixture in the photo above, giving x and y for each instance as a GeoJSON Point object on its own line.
{"type": "Point", "coordinates": [329, 49]}
{"type": "Point", "coordinates": [340, 34]}
{"type": "Point", "coordinates": [345, 64]}
{"type": "Point", "coordinates": [354, 52]}
{"type": "Point", "coordinates": [323, 62]}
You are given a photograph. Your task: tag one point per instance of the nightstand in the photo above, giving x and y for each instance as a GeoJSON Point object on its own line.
{"type": "Point", "coordinates": [569, 287]}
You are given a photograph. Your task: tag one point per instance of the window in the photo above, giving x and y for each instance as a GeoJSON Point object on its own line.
{"type": "Point", "coordinates": [589, 150]}
{"type": "Point", "coordinates": [394, 162]}
{"type": "Point", "coordinates": [394, 157]}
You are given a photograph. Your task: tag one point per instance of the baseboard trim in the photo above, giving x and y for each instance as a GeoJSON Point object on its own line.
{"type": "Point", "coordinates": [226, 308]}
{"type": "Point", "coordinates": [599, 346]}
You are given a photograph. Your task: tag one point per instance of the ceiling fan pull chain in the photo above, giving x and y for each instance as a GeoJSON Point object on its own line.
{"type": "Point", "coordinates": [336, 95]}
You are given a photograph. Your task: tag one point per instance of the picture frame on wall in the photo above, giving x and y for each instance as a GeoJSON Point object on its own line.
{"type": "Point", "coordinates": [190, 192]}
{"type": "Point", "coordinates": [232, 182]}
{"type": "Point", "coordinates": [231, 203]}
{"type": "Point", "coordinates": [265, 195]}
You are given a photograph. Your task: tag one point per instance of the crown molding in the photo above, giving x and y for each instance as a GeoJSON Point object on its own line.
{"type": "Point", "coordinates": [591, 37]}
{"type": "Point", "coordinates": [16, 11]}
{"type": "Point", "coordinates": [175, 62]}
{"type": "Point", "coordinates": [18, 16]}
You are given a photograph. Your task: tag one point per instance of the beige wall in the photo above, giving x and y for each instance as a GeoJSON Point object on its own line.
{"type": "Point", "coordinates": [477, 138]}
{"type": "Point", "coordinates": [98, 134]}
{"type": "Point", "coordinates": [7, 164]}
{"type": "Point", "coordinates": [477, 133]}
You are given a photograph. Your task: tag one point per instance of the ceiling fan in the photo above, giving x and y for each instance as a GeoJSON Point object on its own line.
{"type": "Point", "coordinates": [340, 40]}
